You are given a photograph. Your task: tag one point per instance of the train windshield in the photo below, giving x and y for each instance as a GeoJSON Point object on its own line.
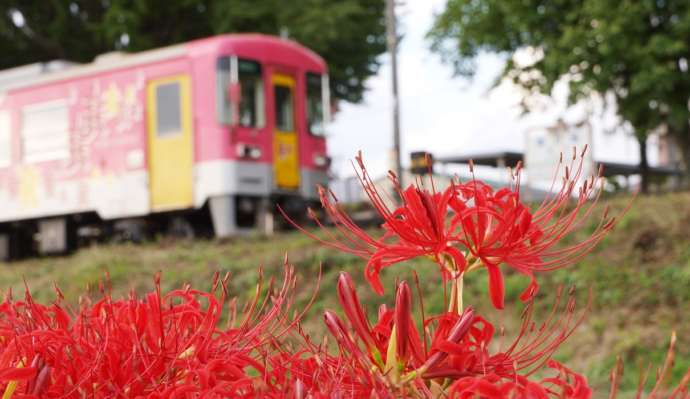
{"type": "Point", "coordinates": [317, 103]}
{"type": "Point", "coordinates": [247, 73]}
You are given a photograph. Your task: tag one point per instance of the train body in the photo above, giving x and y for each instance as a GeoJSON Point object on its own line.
{"type": "Point", "coordinates": [225, 126]}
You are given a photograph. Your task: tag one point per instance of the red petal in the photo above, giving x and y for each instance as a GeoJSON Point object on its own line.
{"type": "Point", "coordinates": [371, 272]}
{"type": "Point", "coordinates": [458, 258]}
{"type": "Point", "coordinates": [531, 289]}
{"type": "Point", "coordinates": [17, 373]}
{"type": "Point", "coordinates": [496, 288]}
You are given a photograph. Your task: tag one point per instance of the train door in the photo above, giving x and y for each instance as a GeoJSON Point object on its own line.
{"type": "Point", "coordinates": [170, 142]}
{"type": "Point", "coordinates": [285, 143]}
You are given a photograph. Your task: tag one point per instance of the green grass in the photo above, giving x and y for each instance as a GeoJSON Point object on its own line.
{"type": "Point", "coordinates": [640, 277]}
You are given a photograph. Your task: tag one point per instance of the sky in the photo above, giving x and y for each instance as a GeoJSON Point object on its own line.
{"type": "Point", "coordinates": [449, 115]}
{"type": "Point", "coordinates": [439, 113]}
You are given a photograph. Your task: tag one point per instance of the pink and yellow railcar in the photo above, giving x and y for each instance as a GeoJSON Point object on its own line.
{"type": "Point", "coordinates": [208, 133]}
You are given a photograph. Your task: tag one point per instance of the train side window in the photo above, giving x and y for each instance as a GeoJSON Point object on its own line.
{"type": "Point", "coordinates": [223, 105]}
{"type": "Point", "coordinates": [284, 109]}
{"type": "Point", "coordinates": [315, 104]}
{"type": "Point", "coordinates": [45, 132]}
{"type": "Point", "coordinates": [5, 140]}
{"type": "Point", "coordinates": [248, 75]}
{"type": "Point", "coordinates": [168, 109]}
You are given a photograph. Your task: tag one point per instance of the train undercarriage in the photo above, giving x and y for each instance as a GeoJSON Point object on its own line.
{"type": "Point", "coordinates": [223, 216]}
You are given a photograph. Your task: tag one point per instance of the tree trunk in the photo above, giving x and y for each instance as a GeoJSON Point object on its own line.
{"type": "Point", "coordinates": [644, 165]}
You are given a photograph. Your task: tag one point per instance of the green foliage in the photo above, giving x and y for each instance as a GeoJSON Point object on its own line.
{"type": "Point", "coordinates": [639, 51]}
{"type": "Point", "coordinates": [349, 34]}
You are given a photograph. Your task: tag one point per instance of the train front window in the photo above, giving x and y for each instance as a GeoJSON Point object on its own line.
{"type": "Point", "coordinates": [284, 109]}
{"type": "Point", "coordinates": [315, 105]}
{"type": "Point", "coordinates": [252, 102]}
{"type": "Point", "coordinates": [250, 112]}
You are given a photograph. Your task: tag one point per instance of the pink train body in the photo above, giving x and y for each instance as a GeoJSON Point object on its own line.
{"type": "Point", "coordinates": [214, 130]}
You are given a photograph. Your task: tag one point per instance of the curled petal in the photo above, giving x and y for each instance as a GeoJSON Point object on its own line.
{"type": "Point", "coordinates": [531, 289]}
{"type": "Point", "coordinates": [458, 258]}
{"type": "Point", "coordinates": [457, 332]}
{"type": "Point", "coordinates": [496, 287]}
{"type": "Point", "coordinates": [371, 272]}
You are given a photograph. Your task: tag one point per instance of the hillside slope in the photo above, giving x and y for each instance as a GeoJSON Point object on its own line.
{"type": "Point", "coordinates": [640, 277]}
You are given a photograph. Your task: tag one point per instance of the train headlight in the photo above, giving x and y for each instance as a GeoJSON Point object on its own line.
{"type": "Point", "coordinates": [248, 151]}
{"type": "Point", "coordinates": [322, 161]}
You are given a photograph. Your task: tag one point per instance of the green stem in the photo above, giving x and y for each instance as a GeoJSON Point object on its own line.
{"type": "Point", "coordinates": [456, 291]}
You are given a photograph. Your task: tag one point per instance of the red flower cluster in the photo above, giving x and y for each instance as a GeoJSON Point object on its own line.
{"type": "Point", "coordinates": [565, 384]}
{"type": "Point", "coordinates": [471, 225]}
{"type": "Point", "coordinates": [457, 349]}
{"type": "Point", "coordinates": [173, 346]}
{"type": "Point", "coordinates": [159, 346]}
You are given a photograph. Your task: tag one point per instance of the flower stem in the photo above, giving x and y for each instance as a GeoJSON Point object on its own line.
{"type": "Point", "coordinates": [459, 281]}
{"type": "Point", "coordinates": [456, 302]}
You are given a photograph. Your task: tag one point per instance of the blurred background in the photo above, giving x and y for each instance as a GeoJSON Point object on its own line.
{"type": "Point", "coordinates": [416, 85]}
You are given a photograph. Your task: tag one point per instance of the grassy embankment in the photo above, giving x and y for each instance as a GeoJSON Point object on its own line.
{"type": "Point", "coordinates": [640, 277]}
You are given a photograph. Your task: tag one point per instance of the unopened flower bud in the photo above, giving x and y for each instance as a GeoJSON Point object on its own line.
{"type": "Point", "coordinates": [403, 304]}
{"type": "Point", "coordinates": [353, 309]}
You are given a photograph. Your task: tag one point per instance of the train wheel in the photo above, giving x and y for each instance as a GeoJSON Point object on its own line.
{"type": "Point", "coordinates": [180, 227]}
{"type": "Point", "coordinates": [4, 247]}
{"type": "Point", "coordinates": [130, 230]}
{"type": "Point", "coordinates": [17, 241]}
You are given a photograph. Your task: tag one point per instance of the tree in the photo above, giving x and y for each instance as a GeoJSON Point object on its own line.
{"type": "Point", "coordinates": [638, 50]}
{"type": "Point", "coordinates": [349, 34]}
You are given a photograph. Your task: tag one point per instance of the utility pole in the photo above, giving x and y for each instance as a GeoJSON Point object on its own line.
{"type": "Point", "coordinates": [392, 42]}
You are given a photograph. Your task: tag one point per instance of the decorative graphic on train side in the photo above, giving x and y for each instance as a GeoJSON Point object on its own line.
{"type": "Point", "coordinates": [103, 111]}
{"type": "Point", "coordinates": [29, 181]}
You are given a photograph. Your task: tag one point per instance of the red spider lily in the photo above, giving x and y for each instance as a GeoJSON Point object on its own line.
{"type": "Point", "coordinates": [418, 227]}
{"type": "Point", "coordinates": [159, 346]}
{"type": "Point", "coordinates": [565, 385]}
{"type": "Point", "coordinates": [493, 386]}
{"type": "Point", "coordinates": [469, 225]}
{"type": "Point", "coordinates": [497, 228]}
{"type": "Point", "coordinates": [312, 372]}
{"type": "Point", "coordinates": [459, 344]}
{"type": "Point", "coordinates": [527, 354]}
{"type": "Point", "coordinates": [393, 346]}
